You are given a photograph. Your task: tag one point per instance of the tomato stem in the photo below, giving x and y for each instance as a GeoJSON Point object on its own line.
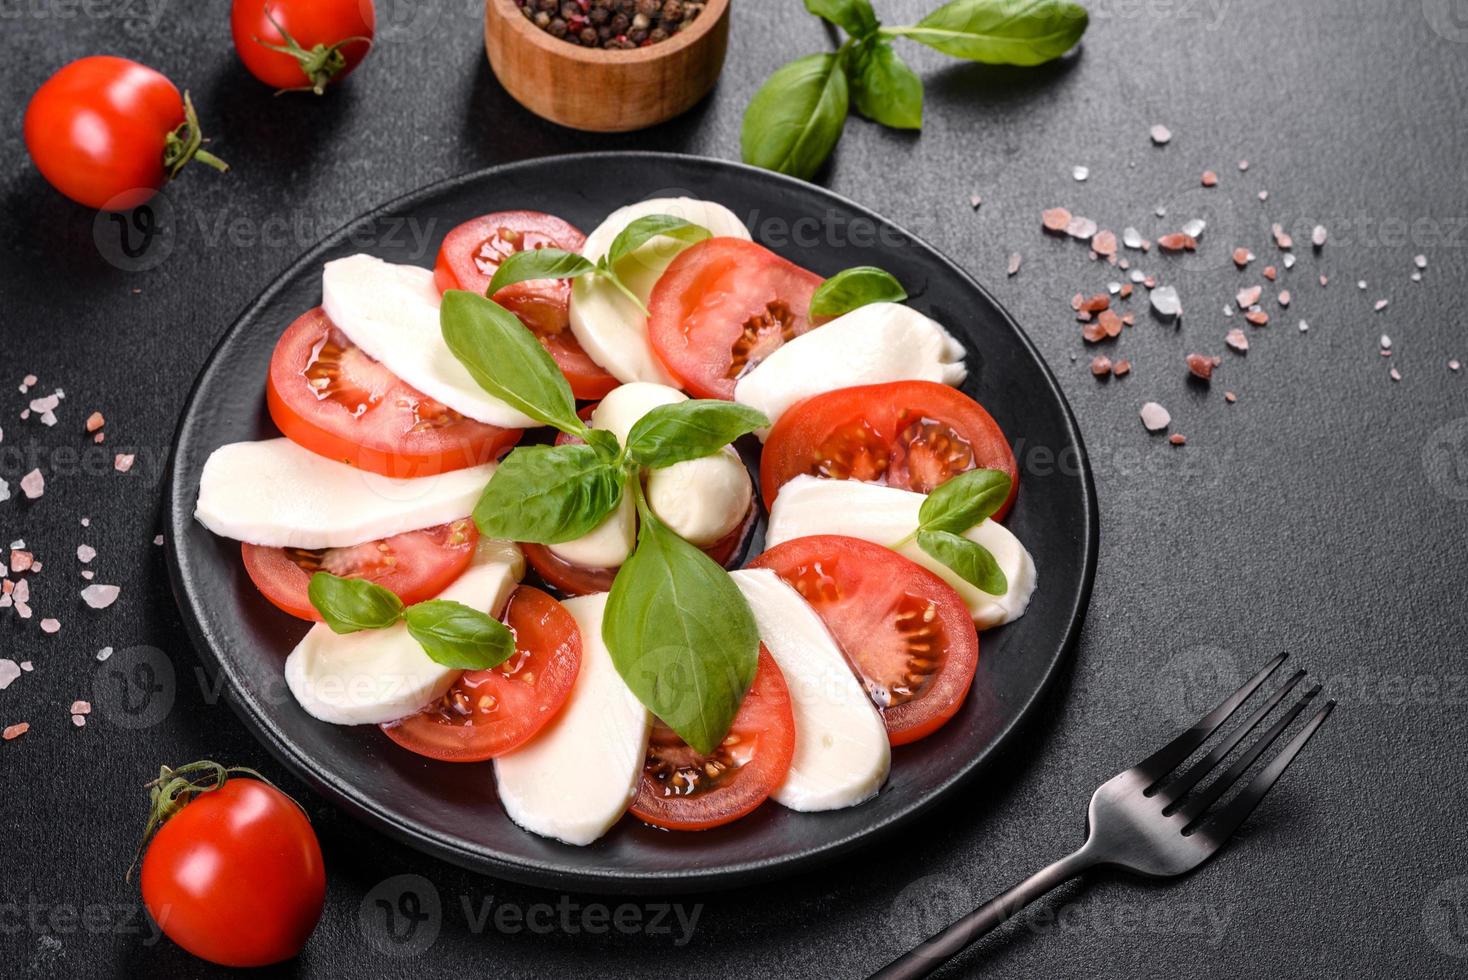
{"type": "Point", "coordinates": [321, 64]}
{"type": "Point", "coordinates": [186, 143]}
{"type": "Point", "coordinates": [175, 788]}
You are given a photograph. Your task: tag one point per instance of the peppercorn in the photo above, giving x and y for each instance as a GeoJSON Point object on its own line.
{"type": "Point", "coordinates": [672, 11]}
{"type": "Point", "coordinates": [588, 35]}
{"type": "Point", "coordinates": [657, 34]}
{"type": "Point", "coordinates": [557, 27]}
{"type": "Point", "coordinates": [636, 36]}
{"type": "Point", "coordinates": [542, 19]}
{"type": "Point", "coordinates": [648, 8]}
{"type": "Point", "coordinates": [549, 6]}
{"type": "Point", "coordinates": [620, 22]}
{"type": "Point", "coordinates": [570, 9]}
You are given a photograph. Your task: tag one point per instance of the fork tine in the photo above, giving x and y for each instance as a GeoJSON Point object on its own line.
{"type": "Point", "coordinates": [1167, 758]}
{"type": "Point", "coordinates": [1194, 808]}
{"type": "Point", "coordinates": [1175, 789]}
{"type": "Point", "coordinates": [1223, 826]}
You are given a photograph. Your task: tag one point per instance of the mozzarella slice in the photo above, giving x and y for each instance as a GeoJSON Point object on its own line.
{"type": "Point", "coordinates": [872, 344]}
{"type": "Point", "coordinates": [608, 325]}
{"type": "Point", "coordinates": [700, 499]}
{"type": "Point", "coordinates": [374, 676]}
{"type": "Point", "coordinates": [577, 777]}
{"type": "Point", "coordinates": [391, 312]}
{"type": "Point", "coordinates": [277, 494]}
{"type": "Point", "coordinates": [886, 515]}
{"type": "Point", "coordinates": [842, 755]}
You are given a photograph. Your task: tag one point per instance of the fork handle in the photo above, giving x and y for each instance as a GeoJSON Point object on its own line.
{"type": "Point", "coordinates": [923, 959]}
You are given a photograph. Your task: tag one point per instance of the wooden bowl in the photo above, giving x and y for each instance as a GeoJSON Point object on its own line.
{"type": "Point", "coordinates": [600, 90]}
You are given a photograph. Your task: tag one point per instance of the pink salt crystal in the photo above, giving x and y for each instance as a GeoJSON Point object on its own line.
{"type": "Point", "coordinates": [85, 553]}
{"type": "Point", "coordinates": [95, 421]}
{"type": "Point", "coordinates": [33, 484]}
{"type": "Point", "coordinates": [1237, 340]}
{"type": "Point", "coordinates": [123, 462]}
{"type": "Point", "coordinates": [15, 731]}
{"type": "Point", "coordinates": [1161, 134]}
{"type": "Point", "coordinates": [1155, 417]}
{"type": "Point", "coordinates": [81, 708]}
{"type": "Point", "coordinates": [21, 561]}
{"type": "Point", "coordinates": [50, 625]}
{"type": "Point", "coordinates": [100, 596]}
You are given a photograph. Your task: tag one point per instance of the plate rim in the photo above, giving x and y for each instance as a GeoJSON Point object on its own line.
{"type": "Point", "coordinates": [671, 880]}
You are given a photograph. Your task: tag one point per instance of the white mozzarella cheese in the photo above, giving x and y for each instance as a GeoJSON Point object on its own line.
{"type": "Point", "coordinates": [391, 312]}
{"type": "Point", "coordinates": [872, 344]}
{"type": "Point", "coordinates": [608, 325]}
{"type": "Point", "coordinates": [375, 676]}
{"type": "Point", "coordinates": [808, 505]}
{"type": "Point", "coordinates": [700, 499]}
{"type": "Point", "coordinates": [276, 493]}
{"type": "Point", "coordinates": [578, 776]}
{"type": "Point", "coordinates": [842, 755]}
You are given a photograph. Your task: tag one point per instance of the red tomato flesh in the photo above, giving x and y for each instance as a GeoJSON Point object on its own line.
{"type": "Point", "coordinates": [723, 306]}
{"type": "Point", "coordinates": [683, 790]}
{"type": "Point", "coordinates": [257, 23]}
{"type": "Point", "coordinates": [491, 712]}
{"type": "Point", "coordinates": [472, 252]}
{"type": "Point", "coordinates": [417, 565]}
{"type": "Point", "coordinates": [908, 434]}
{"type": "Point", "coordinates": [325, 394]}
{"type": "Point", "coordinates": [236, 876]}
{"type": "Point", "coordinates": [906, 633]}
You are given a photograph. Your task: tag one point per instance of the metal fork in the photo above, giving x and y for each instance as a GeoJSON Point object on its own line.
{"type": "Point", "coordinates": [1140, 821]}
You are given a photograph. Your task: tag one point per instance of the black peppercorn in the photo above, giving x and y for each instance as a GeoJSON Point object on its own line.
{"type": "Point", "coordinates": [588, 35]}
{"type": "Point", "coordinates": [557, 27]}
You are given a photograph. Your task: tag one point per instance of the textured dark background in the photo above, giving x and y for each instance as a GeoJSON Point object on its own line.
{"type": "Point", "coordinates": [1322, 514]}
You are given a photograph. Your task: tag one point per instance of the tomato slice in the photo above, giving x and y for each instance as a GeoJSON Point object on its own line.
{"type": "Point", "coordinates": [571, 579]}
{"type": "Point", "coordinates": [723, 306]}
{"type": "Point", "coordinates": [326, 394]}
{"type": "Point", "coordinates": [472, 252]}
{"type": "Point", "coordinates": [491, 712]}
{"type": "Point", "coordinates": [417, 565]}
{"type": "Point", "coordinates": [905, 632]}
{"type": "Point", "coordinates": [908, 434]}
{"type": "Point", "coordinates": [683, 790]}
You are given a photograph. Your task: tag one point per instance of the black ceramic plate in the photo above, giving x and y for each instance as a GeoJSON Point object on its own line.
{"type": "Point", "coordinates": [451, 811]}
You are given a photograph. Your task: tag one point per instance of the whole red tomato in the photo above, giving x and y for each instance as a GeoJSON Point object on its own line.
{"type": "Point", "coordinates": [108, 132]}
{"type": "Point", "coordinates": [234, 875]}
{"type": "Point", "coordinates": [286, 42]}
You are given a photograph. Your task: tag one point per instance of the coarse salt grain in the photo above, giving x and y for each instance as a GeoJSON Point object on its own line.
{"type": "Point", "coordinates": [1166, 303]}
{"type": "Point", "coordinates": [974, 201]}
{"type": "Point", "coordinates": [1161, 134]}
{"type": "Point", "coordinates": [1284, 297]}
{"type": "Point", "coordinates": [1385, 342]}
{"type": "Point", "coordinates": [1210, 179]}
{"type": "Point", "coordinates": [158, 540]}
{"type": "Point", "coordinates": [15, 731]}
{"type": "Point", "coordinates": [95, 421]}
{"type": "Point", "coordinates": [21, 561]}
{"type": "Point", "coordinates": [1055, 219]}
{"type": "Point", "coordinates": [85, 553]}
{"type": "Point", "coordinates": [1131, 238]}
{"type": "Point", "coordinates": [1082, 228]}
{"type": "Point", "coordinates": [1122, 367]}
{"type": "Point", "coordinates": [1420, 261]}
{"type": "Point", "coordinates": [33, 484]}
{"type": "Point", "coordinates": [50, 625]}
{"type": "Point", "coordinates": [1014, 263]}
{"type": "Point", "coordinates": [1080, 173]}
{"type": "Point", "coordinates": [1100, 365]}
{"type": "Point", "coordinates": [1248, 297]}
{"type": "Point", "coordinates": [100, 596]}
{"type": "Point", "coordinates": [1177, 439]}
{"type": "Point", "coordinates": [79, 720]}
{"type": "Point", "coordinates": [1304, 327]}
{"type": "Point", "coordinates": [81, 707]}
{"type": "Point", "coordinates": [1230, 397]}
{"type": "Point", "coordinates": [1454, 365]}
{"type": "Point", "coordinates": [123, 462]}
{"type": "Point", "coordinates": [1237, 339]}
{"type": "Point", "coordinates": [1155, 417]}
{"type": "Point", "coordinates": [1395, 374]}
{"type": "Point", "coordinates": [9, 671]}
{"type": "Point", "coordinates": [104, 653]}
{"type": "Point", "coordinates": [1381, 305]}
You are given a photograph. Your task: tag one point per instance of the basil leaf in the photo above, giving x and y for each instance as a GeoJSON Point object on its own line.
{"type": "Point", "coordinates": [681, 635]}
{"type": "Point", "coordinates": [854, 287]}
{"type": "Point", "coordinates": [645, 229]}
{"type": "Point", "coordinates": [884, 89]}
{"type": "Point", "coordinates": [459, 636]}
{"type": "Point", "coordinates": [549, 494]}
{"type": "Point", "coordinates": [794, 120]}
{"type": "Point", "coordinates": [964, 500]}
{"type": "Point", "coordinates": [504, 357]}
{"type": "Point", "coordinates": [855, 17]}
{"type": "Point", "coordinates": [1001, 32]}
{"type": "Point", "coordinates": [689, 430]}
{"type": "Point", "coordinates": [538, 263]}
{"type": "Point", "coordinates": [972, 561]}
{"type": "Point", "coordinates": [604, 442]}
{"type": "Point", "coordinates": [351, 604]}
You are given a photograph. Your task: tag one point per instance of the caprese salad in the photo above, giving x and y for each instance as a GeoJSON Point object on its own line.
{"type": "Point", "coordinates": [571, 402]}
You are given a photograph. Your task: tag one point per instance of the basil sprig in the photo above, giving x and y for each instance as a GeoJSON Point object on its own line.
{"type": "Point", "coordinates": [854, 287]}
{"type": "Point", "coordinates": [681, 634]}
{"type": "Point", "coordinates": [555, 263]}
{"type": "Point", "coordinates": [795, 119]}
{"type": "Point", "coordinates": [679, 630]}
{"type": "Point", "coordinates": [950, 510]}
{"type": "Point", "coordinates": [451, 633]}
